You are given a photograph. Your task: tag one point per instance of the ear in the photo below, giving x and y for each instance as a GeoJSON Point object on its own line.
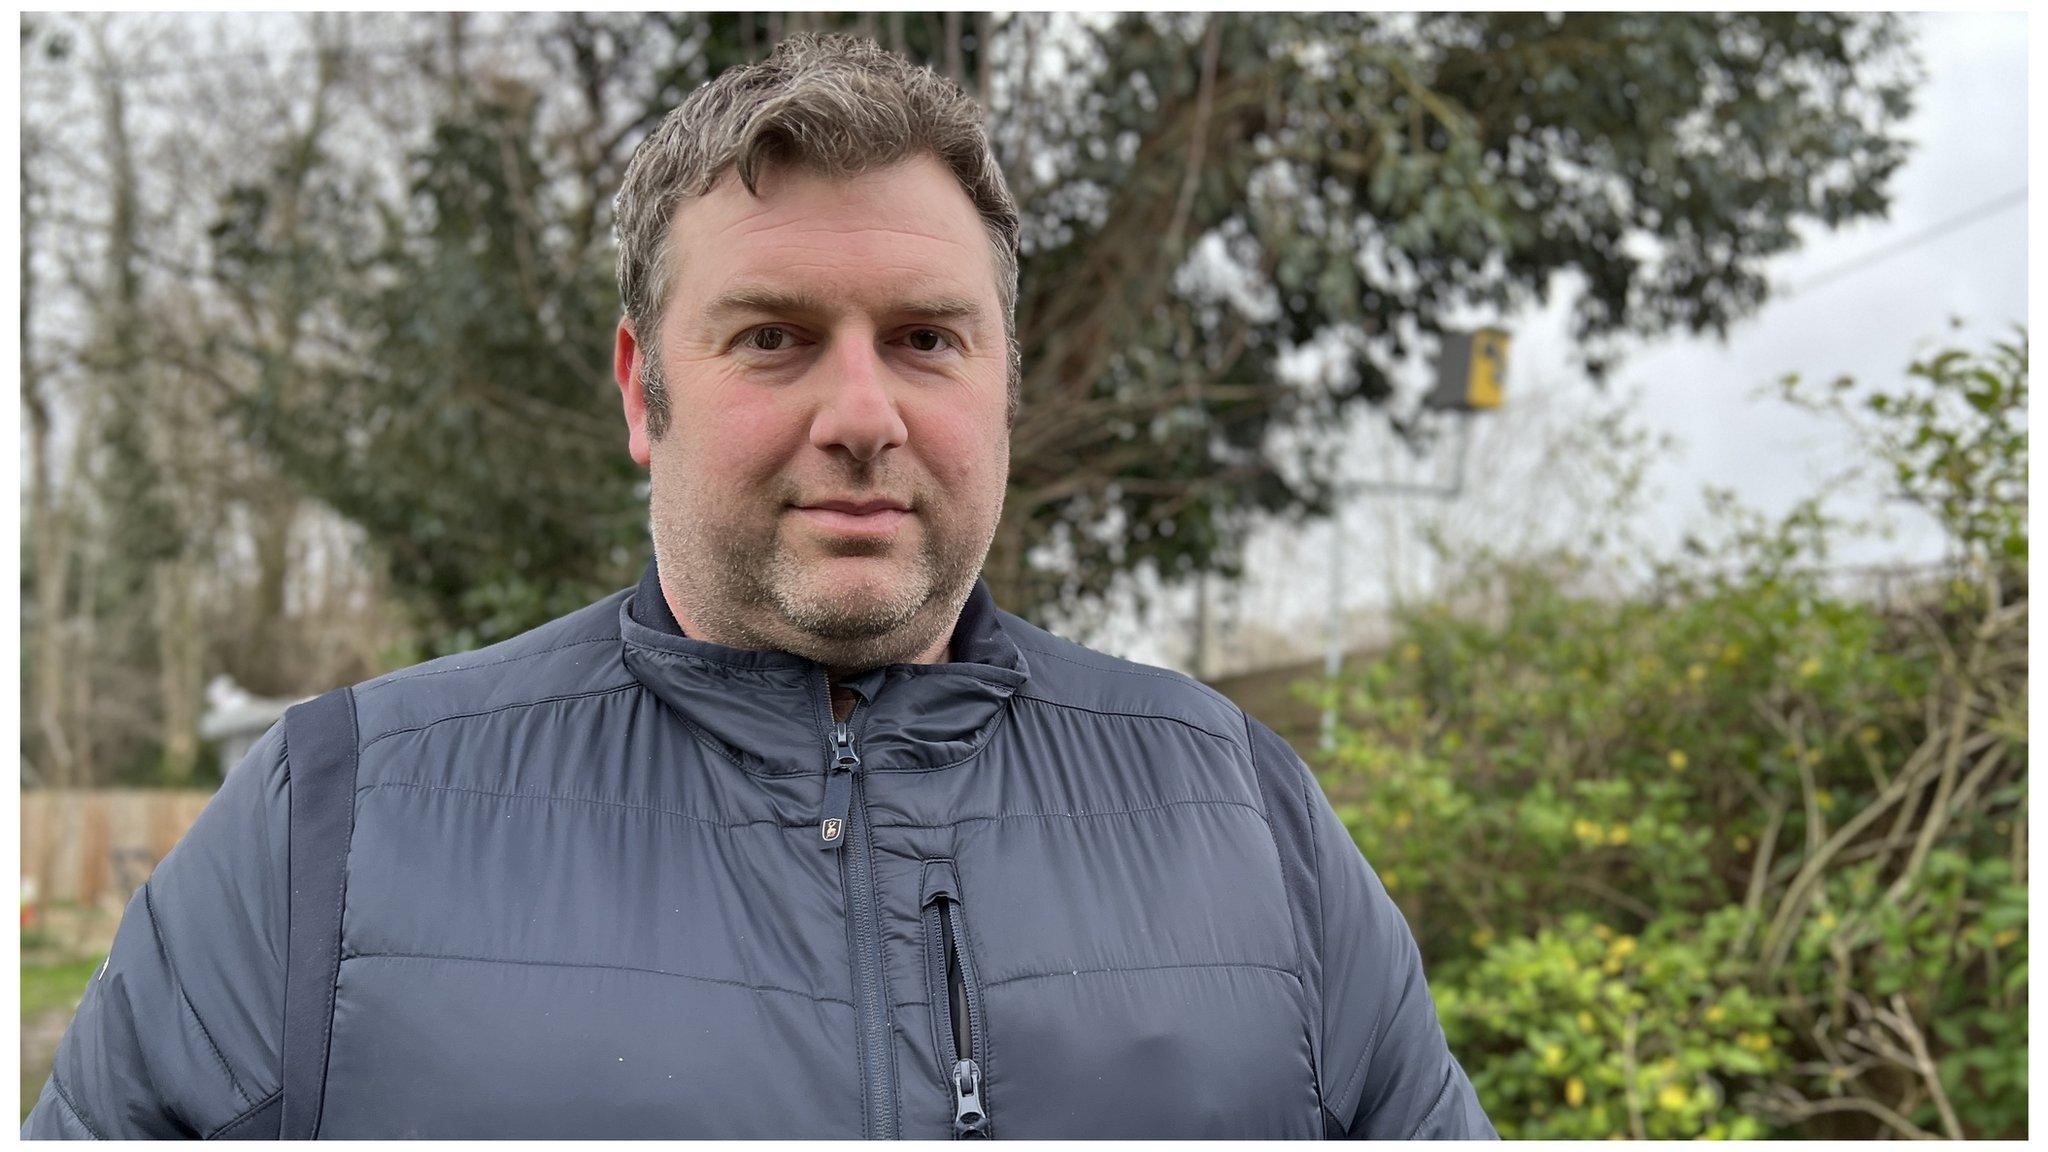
{"type": "Point", "coordinates": [626, 367]}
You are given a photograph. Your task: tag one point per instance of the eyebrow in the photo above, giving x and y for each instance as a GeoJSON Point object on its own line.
{"type": "Point", "coordinates": [801, 303]}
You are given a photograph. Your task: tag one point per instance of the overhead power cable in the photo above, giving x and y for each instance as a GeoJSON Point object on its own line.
{"type": "Point", "coordinates": [1960, 220]}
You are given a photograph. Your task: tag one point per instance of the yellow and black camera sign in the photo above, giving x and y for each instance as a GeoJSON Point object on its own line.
{"type": "Point", "coordinates": [1472, 371]}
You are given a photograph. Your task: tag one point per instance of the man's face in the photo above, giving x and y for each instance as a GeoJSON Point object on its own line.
{"type": "Point", "coordinates": [838, 446]}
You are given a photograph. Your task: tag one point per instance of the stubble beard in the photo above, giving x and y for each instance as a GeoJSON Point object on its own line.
{"type": "Point", "coordinates": [743, 585]}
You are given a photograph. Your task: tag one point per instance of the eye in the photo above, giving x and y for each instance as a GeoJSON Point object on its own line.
{"type": "Point", "coordinates": [766, 339]}
{"type": "Point", "coordinates": [929, 340]}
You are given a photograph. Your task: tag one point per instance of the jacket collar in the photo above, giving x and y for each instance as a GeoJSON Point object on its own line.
{"type": "Point", "coordinates": [769, 711]}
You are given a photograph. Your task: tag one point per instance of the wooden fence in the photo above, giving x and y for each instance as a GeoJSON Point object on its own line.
{"type": "Point", "coordinates": [98, 845]}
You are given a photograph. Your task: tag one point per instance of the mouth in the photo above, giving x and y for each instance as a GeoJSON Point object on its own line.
{"type": "Point", "coordinates": [877, 517]}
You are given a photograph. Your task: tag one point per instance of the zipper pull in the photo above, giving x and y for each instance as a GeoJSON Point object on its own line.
{"type": "Point", "coordinates": [970, 1121]}
{"type": "Point", "coordinates": [838, 788]}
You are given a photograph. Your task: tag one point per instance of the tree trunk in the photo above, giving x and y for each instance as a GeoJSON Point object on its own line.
{"type": "Point", "coordinates": [265, 666]}
{"type": "Point", "coordinates": [984, 32]}
{"type": "Point", "coordinates": [998, 570]}
{"type": "Point", "coordinates": [54, 544]}
{"type": "Point", "coordinates": [955, 66]}
{"type": "Point", "coordinates": [1008, 573]}
{"type": "Point", "coordinates": [84, 772]}
{"type": "Point", "coordinates": [51, 752]}
{"type": "Point", "coordinates": [181, 656]}
{"type": "Point", "coordinates": [119, 378]}
{"type": "Point", "coordinates": [458, 67]}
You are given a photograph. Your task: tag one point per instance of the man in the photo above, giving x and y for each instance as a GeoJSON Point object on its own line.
{"type": "Point", "coordinates": [802, 836]}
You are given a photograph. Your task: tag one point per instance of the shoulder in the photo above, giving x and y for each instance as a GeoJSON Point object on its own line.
{"type": "Point", "coordinates": [571, 656]}
{"type": "Point", "coordinates": [1068, 675]}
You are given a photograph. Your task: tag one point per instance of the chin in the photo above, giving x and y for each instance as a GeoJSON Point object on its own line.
{"type": "Point", "coordinates": [860, 578]}
{"type": "Point", "coordinates": [856, 606]}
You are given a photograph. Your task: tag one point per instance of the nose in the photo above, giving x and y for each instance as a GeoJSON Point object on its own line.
{"type": "Point", "coordinates": [858, 411]}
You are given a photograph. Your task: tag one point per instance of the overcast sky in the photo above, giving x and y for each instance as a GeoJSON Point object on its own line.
{"type": "Point", "coordinates": [1970, 147]}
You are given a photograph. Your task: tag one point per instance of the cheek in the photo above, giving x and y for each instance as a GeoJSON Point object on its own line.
{"type": "Point", "coordinates": [967, 452]}
{"type": "Point", "coordinates": [733, 440]}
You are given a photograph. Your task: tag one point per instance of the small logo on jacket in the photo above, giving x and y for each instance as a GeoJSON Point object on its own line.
{"type": "Point", "coordinates": [830, 829]}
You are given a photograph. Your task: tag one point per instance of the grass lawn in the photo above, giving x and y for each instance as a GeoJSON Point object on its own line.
{"type": "Point", "coordinates": [49, 994]}
{"type": "Point", "coordinates": [46, 987]}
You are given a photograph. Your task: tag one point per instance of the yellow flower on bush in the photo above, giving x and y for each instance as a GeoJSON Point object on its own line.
{"type": "Point", "coordinates": [1410, 653]}
{"type": "Point", "coordinates": [1575, 1091]}
{"type": "Point", "coordinates": [2006, 937]}
{"type": "Point", "coordinates": [1677, 760]}
{"type": "Point", "coordinates": [1673, 1098]}
{"type": "Point", "coordinates": [1622, 946]}
{"type": "Point", "coordinates": [1585, 829]}
{"type": "Point", "coordinates": [1809, 668]}
{"type": "Point", "coordinates": [1824, 800]}
{"type": "Point", "coordinates": [1389, 880]}
{"type": "Point", "coordinates": [1586, 1023]}
{"type": "Point", "coordinates": [1696, 673]}
{"type": "Point", "coordinates": [1553, 1055]}
{"type": "Point", "coordinates": [1481, 938]}
{"type": "Point", "coordinates": [1602, 931]}
{"type": "Point", "coordinates": [1403, 819]}
{"type": "Point", "coordinates": [1618, 834]}
{"type": "Point", "coordinates": [1754, 1041]}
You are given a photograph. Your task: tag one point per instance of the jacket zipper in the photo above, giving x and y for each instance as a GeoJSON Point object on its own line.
{"type": "Point", "coordinates": [839, 776]}
{"type": "Point", "coordinates": [955, 998]}
{"type": "Point", "coordinates": [844, 825]}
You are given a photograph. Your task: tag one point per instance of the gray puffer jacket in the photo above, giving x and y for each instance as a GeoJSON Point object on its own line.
{"type": "Point", "coordinates": [595, 888]}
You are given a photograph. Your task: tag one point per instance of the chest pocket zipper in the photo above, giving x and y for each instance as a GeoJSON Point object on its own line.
{"type": "Point", "coordinates": [954, 997]}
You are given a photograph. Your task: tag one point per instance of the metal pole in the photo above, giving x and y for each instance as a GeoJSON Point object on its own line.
{"type": "Point", "coordinates": [1333, 643]}
{"type": "Point", "coordinates": [1464, 451]}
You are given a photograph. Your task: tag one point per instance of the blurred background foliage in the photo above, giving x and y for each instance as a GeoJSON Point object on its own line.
{"type": "Point", "coordinates": [1738, 855]}
{"type": "Point", "coordinates": [316, 336]}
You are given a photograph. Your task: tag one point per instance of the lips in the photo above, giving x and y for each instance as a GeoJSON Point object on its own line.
{"type": "Point", "coordinates": [879, 517]}
{"type": "Point", "coordinates": [856, 507]}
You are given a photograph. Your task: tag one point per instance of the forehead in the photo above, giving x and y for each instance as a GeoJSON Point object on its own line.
{"type": "Point", "coordinates": [908, 227]}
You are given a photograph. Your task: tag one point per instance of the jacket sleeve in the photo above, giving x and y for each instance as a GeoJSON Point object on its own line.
{"type": "Point", "coordinates": [178, 1033]}
{"type": "Point", "coordinates": [1387, 1073]}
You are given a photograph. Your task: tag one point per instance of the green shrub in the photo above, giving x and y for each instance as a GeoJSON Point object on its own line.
{"type": "Point", "coordinates": [1738, 854]}
{"type": "Point", "coordinates": [1595, 1032]}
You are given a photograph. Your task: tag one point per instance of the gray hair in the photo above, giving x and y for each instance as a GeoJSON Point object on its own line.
{"type": "Point", "coordinates": [836, 105]}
